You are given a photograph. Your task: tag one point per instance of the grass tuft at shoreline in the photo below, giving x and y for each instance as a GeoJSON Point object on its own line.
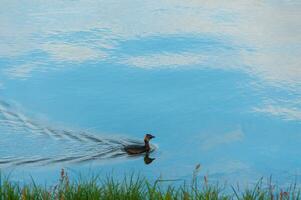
{"type": "Point", "coordinates": [139, 188]}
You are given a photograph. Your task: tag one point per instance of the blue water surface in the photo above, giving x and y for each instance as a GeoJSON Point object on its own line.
{"type": "Point", "coordinates": [218, 84]}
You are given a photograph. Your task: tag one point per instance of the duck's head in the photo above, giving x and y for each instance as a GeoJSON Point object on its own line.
{"type": "Point", "coordinates": [148, 137]}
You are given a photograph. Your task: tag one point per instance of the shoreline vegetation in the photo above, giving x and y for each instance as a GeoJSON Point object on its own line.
{"type": "Point", "coordinates": [135, 187]}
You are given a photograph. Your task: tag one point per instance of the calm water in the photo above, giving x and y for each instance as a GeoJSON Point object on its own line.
{"type": "Point", "coordinates": [218, 83]}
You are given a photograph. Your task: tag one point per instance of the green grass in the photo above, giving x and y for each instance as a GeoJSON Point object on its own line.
{"type": "Point", "coordinates": [136, 187]}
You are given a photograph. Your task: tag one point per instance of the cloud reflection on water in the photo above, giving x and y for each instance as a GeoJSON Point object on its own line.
{"type": "Point", "coordinates": [165, 60]}
{"type": "Point", "coordinates": [272, 29]}
{"type": "Point", "coordinates": [21, 71]}
{"type": "Point", "coordinates": [212, 141]}
{"type": "Point", "coordinates": [67, 52]}
{"type": "Point", "coordinates": [287, 113]}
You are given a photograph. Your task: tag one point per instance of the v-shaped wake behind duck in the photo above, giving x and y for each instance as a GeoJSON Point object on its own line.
{"type": "Point", "coordinates": [139, 149]}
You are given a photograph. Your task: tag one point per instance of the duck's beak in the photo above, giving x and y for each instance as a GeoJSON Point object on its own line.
{"type": "Point", "coordinates": [151, 137]}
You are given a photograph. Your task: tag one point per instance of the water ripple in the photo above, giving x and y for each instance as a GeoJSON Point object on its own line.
{"type": "Point", "coordinates": [80, 146]}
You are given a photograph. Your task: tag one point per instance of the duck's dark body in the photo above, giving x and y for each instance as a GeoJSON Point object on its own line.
{"type": "Point", "coordinates": [139, 149]}
{"type": "Point", "coordinates": [136, 149]}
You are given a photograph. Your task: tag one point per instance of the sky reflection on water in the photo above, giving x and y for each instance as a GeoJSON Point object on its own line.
{"type": "Point", "coordinates": [217, 83]}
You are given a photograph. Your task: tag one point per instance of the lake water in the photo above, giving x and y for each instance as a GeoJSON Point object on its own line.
{"type": "Point", "coordinates": [218, 83]}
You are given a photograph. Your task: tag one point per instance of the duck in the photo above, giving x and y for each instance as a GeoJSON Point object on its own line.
{"type": "Point", "coordinates": [139, 149]}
